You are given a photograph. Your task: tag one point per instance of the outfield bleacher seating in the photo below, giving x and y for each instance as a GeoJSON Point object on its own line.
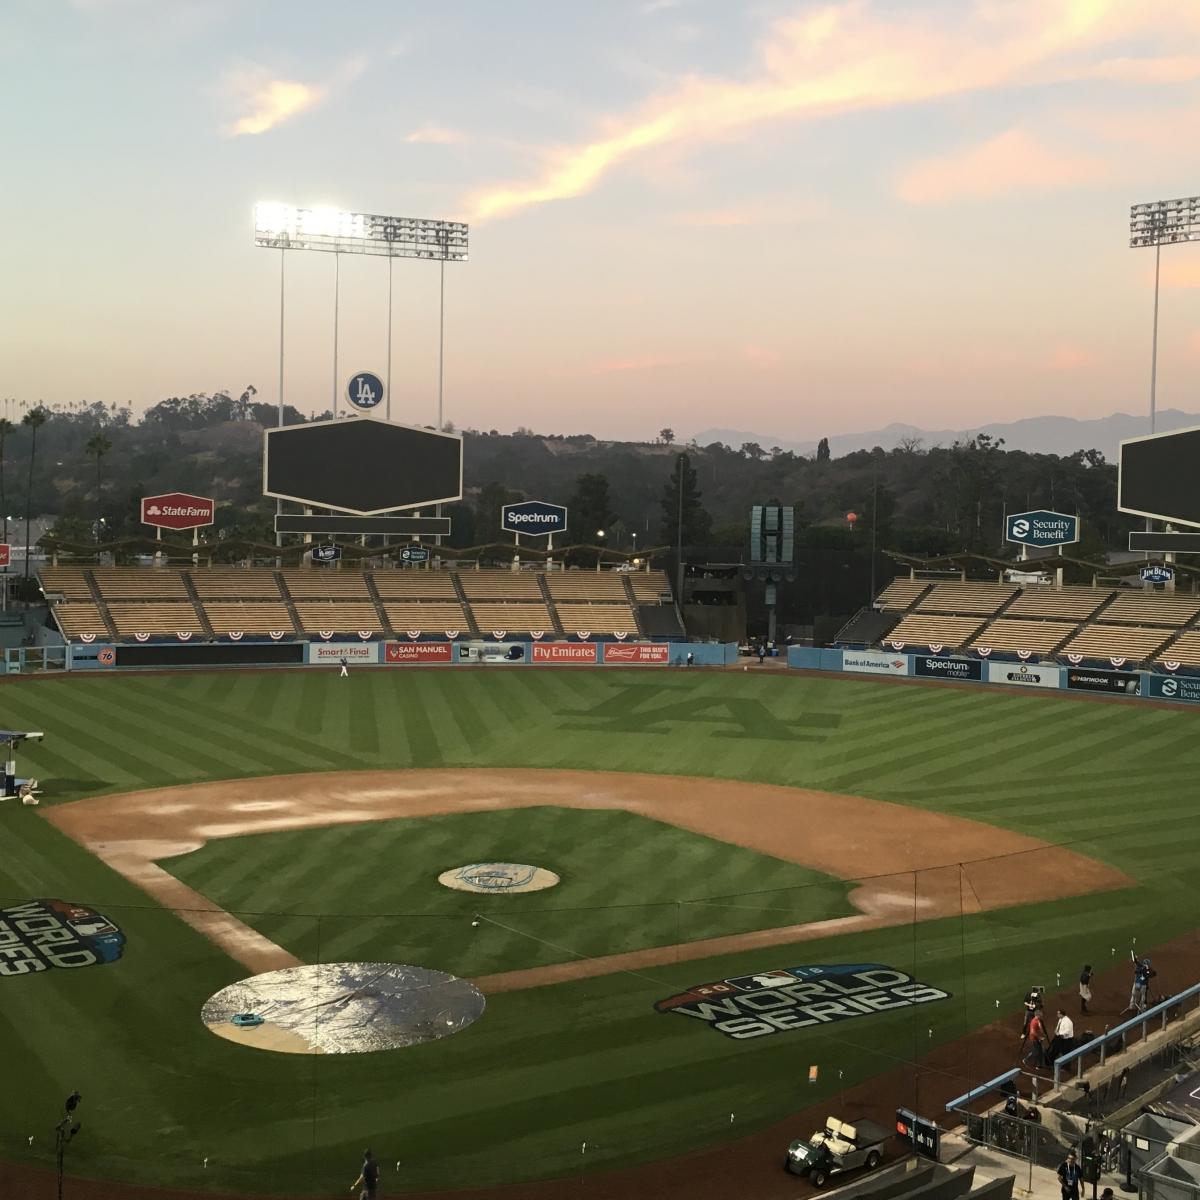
{"type": "Point", "coordinates": [160, 619]}
{"type": "Point", "coordinates": [586, 586]}
{"type": "Point", "coordinates": [597, 618]}
{"type": "Point", "coordinates": [920, 629]}
{"type": "Point", "coordinates": [338, 616]}
{"type": "Point", "coordinates": [1058, 604]}
{"type": "Point", "coordinates": [69, 582]}
{"type": "Point", "coordinates": [426, 616]}
{"type": "Point", "coordinates": [151, 583]}
{"type": "Point", "coordinates": [326, 585]}
{"type": "Point", "coordinates": [415, 585]}
{"type": "Point", "coordinates": [1152, 608]}
{"type": "Point", "coordinates": [513, 618]}
{"type": "Point", "coordinates": [970, 598]}
{"type": "Point", "coordinates": [248, 616]}
{"type": "Point", "coordinates": [80, 619]}
{"type": "Point", "coordinates": [235, 583]}
{"type": "Point", "coordinates": [1132, 642]}
{"type": "Point", "coordinates": [900, 594]}
{"type": "Point", "coordinates": [1038, 637]}
{"type": "Point", "coordinates": [649, 587]}
{"type": "Point", "coordinates": [1184, 650]}
{"type": "Point", "coordinates": [500, 585]}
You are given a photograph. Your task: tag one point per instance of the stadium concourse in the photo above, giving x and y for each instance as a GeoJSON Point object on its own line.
{"type": "Point", "coordinates": [752, 1166]}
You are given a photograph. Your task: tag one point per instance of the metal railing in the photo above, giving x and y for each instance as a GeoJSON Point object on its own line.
{"type": "Point", "coordinates": [982, 1090]}
{"type": "Point", "coordinates": [1117, 1033]}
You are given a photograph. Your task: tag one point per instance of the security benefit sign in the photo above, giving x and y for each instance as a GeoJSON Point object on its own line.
{"type": "Point", "coordinates": [1174, 687]}
{"type": "Point", "coordinates": [1041, 528]}
{"type": "Point", "coordinates": [43, 934]}
{"type": "Point", "coordinates": [786, 998]}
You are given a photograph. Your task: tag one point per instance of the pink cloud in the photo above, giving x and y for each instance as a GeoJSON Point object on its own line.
{"type": "Point", "coordinates": [1011, 161]}
{"type": "Point", "coordinates": [643, 362]}
{"type": "Point", "coordinates": [1068, 357]}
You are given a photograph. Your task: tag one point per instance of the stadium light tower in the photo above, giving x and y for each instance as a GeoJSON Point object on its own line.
{"type": "Point", "coordinates": [284, 227]}
{"type": "Point", "coordinates": [1162, 223]}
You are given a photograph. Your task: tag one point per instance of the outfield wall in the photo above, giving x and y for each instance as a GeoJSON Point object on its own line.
{"type": "Point", "coordinates": [1000, 673]}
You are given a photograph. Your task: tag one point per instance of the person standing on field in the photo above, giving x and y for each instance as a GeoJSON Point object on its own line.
{"type": "Point", "coordinates": [1085, 988]}
{"type": "Point", "coordinates": [345, 671]}
{"type": "Point", "coordinates": [368, 1178]}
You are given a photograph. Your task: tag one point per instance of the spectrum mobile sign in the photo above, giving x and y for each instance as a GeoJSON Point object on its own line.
{"type": "Point", "coordinates": [787, 998]}
{"type": "Point", "coordinates": [1041, 528]}
{"type": "Point", "coordinates": [178, 510]}
{"type": "Point", "coordinates": [534, 518]}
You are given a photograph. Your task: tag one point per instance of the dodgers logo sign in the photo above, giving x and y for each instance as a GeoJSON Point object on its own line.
{"type": "Point", "coordinates": [787, 998]}
{"type": "Point", "coordinates": [534, 518]}
{"type": "Point", "coordinates": [364, 390]}
{"type": "Point", "coordinates": [40, 935]}
{"type": "Point", "coordinates": [1042, 528]}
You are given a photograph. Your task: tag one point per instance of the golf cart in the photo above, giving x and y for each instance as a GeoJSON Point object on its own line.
{"type": "Point", "coordinates": [838, 1147]}
{"type": "Point", "coordinates": [12, 787]}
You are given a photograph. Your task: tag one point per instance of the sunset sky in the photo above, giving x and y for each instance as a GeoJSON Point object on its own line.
{"type": "Point", "coordinates": [789, 217]}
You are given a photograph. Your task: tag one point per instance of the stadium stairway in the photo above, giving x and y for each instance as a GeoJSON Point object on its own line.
{"type": "Point", "coordinates": [101, 605]}
{"type": "Point", "coordinates": [1189, 627]}
{"type": "Point", "coordinates": [193, 595]}
{"type": "Point", "coordinates": [377, 600]}
{"type": "Point", "coordinates": [634, 606]}
{"type": "Point", "coordinates": [868, 627]}
{"type": "Point", "coordinates": [289, 603]}
{"type": "Point", "coordinates": [461, 593]}
{"type": "Point", "coordinates": [544, 584]}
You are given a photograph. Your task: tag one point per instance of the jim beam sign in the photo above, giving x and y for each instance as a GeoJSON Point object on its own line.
{"type": "Point", "coordinates": [786, 998]}
{"type": "Point", "coordinates": [177, 510]}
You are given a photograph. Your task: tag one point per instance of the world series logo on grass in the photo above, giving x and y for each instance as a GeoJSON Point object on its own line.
{"type": "Point", "coordinates": [41, 934]}
{"type": "Point", "coordinates": [787, 998]}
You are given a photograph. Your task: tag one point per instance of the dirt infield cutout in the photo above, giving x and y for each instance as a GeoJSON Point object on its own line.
{"type": "Point", "coordinates": [498, 878]}
{"type": "Point", "coordinates": [907, 860]}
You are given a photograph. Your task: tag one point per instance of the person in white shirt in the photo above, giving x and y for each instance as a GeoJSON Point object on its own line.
{"type": "Point", "coordinates": [1064, 1035]}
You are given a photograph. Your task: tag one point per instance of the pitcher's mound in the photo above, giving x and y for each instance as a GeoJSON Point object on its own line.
{"type": "Point", "coordinates": [343, 1008]}
{"type": "Point", "coordinates": [498, 877]}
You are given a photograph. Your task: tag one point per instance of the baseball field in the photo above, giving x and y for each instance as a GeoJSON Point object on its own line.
{"type": "Point", "coordinates": [948, 846]}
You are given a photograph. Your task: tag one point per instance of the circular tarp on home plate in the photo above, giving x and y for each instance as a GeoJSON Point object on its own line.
{"type": "Point", "coordinates": [343, 1008]}
{"type": "Point", "coordinates": [498, 877]}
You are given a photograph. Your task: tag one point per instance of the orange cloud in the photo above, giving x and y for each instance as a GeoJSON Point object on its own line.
{"type": "Point", "coordinates": [1011, 161]}
{"type": "Point", "coordinates": [435, 135]}
{"type": "Point", "coordinates": [1067, 357]}
{"type": "Point", "coordinates": [644, 362]}
{"type": "Point", "coordinates": [845, 57]}
{"type": "Point", "coordinates": [272, 103]}
{"type": "Point", "coordinates": [1179, 271]}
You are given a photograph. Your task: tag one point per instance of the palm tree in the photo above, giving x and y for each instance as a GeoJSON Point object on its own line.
{"type": "Point", "coordinates": [6, 427]}
{"type": "Point", "coordinates": [35, 418]}
{"type": "Point", "coordinates": [98, 445]}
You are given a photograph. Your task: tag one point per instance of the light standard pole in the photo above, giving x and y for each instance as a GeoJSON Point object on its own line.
{"type": "Point", "coordinates": [1161, 223]}
{"type": "Point", "coordinates": [679, 534]}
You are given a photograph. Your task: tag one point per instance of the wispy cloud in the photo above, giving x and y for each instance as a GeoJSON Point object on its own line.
{"type": "Point", "coordinates": [272, 102]}
{"type": "Point", "coordinates": [436, 135]}
{"type": "Point", "coordinates": [850, 56]}
{"type": "Point", "coordinates": [1009, 162]}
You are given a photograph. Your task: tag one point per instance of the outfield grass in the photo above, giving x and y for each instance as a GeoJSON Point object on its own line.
{"type": "Point", "coordinates": [545, 1070]}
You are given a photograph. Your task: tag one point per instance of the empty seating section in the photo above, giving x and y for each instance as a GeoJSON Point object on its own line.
{"type": "Point", "coordinates": [961, 598]}
{"type": "Point", "coordinates": [76, 619]}
{"type": "Point", "coordinates": [1185, 649]}
{"type": "Point", "coordinates": [1067, 604]}
{"type": "Point", "coordinates": [1040, 637]}
{"type": "Point", "coordinates": [500, 585]}
{"type": "Point", "coordinates": [649, 587]}
{"type": "Point", "coordinates": [146, 584]}
{"type": "Point", "coordinates": [513, 618]}
{"type": "Point", "coordinates": [1116, 641]}
{"type": "Point", "coordinates": [586, 586]}
{"type": "Point", "coordinates": [338, 616]}
{"type": "Point", "coordinates": [1151, 608]}
{"type": "Point", "coordinates": [922, 629]}
{"type": "Point", "coordinates": [428, 616]}
{"type": "Point", "coordinates": [165, 618]}
{"type": "Point", "coordinates": [415, 585]}
{"type": "Point", "coordinates": [597, 618]}
{"type": "Point", "coordinates": [326, 584]}
{"type": "Point", "coordinates": [900, 593]}
{"type": "Point", "coordinates": [235, 583]}
{"type": "Point", "coordinates": [65, 581]}
{"type": "Point", "coordinates": [248, 616]}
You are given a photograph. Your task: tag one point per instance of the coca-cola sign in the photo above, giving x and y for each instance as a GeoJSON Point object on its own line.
{"type": "Point", "coordinates": [178, 510]}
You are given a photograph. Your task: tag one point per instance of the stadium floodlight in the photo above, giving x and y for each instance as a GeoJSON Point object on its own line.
{"type": "Point", "coordinates": [1160, 223]}
{"type": "Point", "coordinates": [285, 227]}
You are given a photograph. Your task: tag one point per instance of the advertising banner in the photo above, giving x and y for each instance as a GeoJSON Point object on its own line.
{"type": "Point", "coordinates": [1042, 528]}
{"type": "Point", "coordinates": [933, 667]}
{"type": "Point", "coordinates": [637, 652]}
{"type": "Point", "coordinates": [534, 518]}
{"type": "Point", "coordinates": [1083, 679]}
{"type": "Point", "coordinates": [505, 653]}
{"type": "Point", "coordinates": [876, 662]}
{"type": "Point", "coordinates": [177, 510]}
{"type": "Point", "coordinates": [1023, 675]}
{"type": "Point", "coordinates": [418, 652]}
{"type": "Point", "coordinates": [1173, 687]}
{"type": "Point", "coordinates": [332, 653]}
{"type": "Point", "coordinates": [5, 554]}
{"type": "Point", "coordinates": [564, 652]}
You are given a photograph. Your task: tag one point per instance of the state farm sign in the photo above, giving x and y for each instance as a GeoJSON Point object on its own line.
{"type": "Point", "coordinates": [637, 652]}
{"type": "Point", "coordinates": [564, 652]}
{"type": "Point", "coordinates": [418, 652]}
{"type": "Point", "coordinates": [177, 510]}
{"type": "Point", "coordinates": [5, 554]}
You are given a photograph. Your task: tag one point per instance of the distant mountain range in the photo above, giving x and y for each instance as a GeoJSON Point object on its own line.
{"type": "Point", "coordinates": [1045, 435]}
